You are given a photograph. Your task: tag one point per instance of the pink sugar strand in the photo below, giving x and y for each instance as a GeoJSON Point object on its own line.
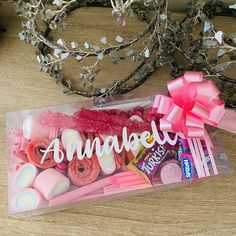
{"type": "Point", "coordinates": [199, 144]}
{"type": "Point", "coordinates": [211, 157]}
{"type": "Point", "coordinates": [53, 133]}
{"type": "Point", "coordinates": [89, 196]}
{"type": "Point", "coordinates": [196, 159]}
{"type": "Point", "coordinates": [109, 190]}
{"type": "Point", "coordinates": [86, 125]}
{"type": "Point", "coordinates": [207, 139]}
{"type": "Point", "coordinates": [123, 173]}
{"type": "Point", "coordinates": [76, 194]}
{"type": "Point", "coordinates": [23, 144]}
{"type": "Point", "coordinates": [56, 119]}
{"type": "Point", "coordinates": [92, 195]}
{"type": "Point", "coordinates": [123, 179]}
{"type": "Point", "coordinates": [111, 119]}
{"type": "Point", "coordinates": [131, 183]}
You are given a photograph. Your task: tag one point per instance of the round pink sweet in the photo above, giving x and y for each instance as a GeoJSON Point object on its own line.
{"type": "Point", "coordinates": [171, 173]}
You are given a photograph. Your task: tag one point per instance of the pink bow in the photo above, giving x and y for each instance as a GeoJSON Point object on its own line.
{"type": "Point", "coordinates": [194, 101]}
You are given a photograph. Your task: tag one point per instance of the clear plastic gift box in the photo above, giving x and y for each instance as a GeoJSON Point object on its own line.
{"type": "Point", "coordinates": [66, 154]}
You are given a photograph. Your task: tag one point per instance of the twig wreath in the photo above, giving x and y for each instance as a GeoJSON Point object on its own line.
{"type": "Point", "coordinates": [163, 37]}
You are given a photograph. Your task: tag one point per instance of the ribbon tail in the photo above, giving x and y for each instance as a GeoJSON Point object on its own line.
{"type": "Point", "coordinates": [228, 122]}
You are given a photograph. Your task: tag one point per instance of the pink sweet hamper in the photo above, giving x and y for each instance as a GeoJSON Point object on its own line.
{"type": "Point", "coordinates": [66, 154]}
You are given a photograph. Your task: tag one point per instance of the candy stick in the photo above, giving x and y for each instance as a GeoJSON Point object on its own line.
{"type": "Point", "coordinates": [202, 158]}
{"type": "Point", "coordinates": [207, 139]}
{"type": "Point", "coordinates": [196, 159]}
{"type": "Point", "coordinates": [75, 194]}
{"type": "Point", "coordinates": [131, 183]}
{"type": "Point", "coordinates": [108, 190]}
{"type": "Point", "coordinates": [118, 180]}
{"type": "Point", "coordinates": [199, 144]}
{"type": "Point", "coordinates": [95, 194]}
{"type": "Point", "coordinates": [211, 157]}
{"type": "Point", "coordinates": [53, 132]}
{"type": "Point", "coordinates": [23, 144]}
{"type": "Point", "coordinates": [123, 173]}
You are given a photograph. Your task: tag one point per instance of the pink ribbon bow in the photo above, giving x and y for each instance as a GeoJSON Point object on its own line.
{"type": "Point", "coordinates": [194, 102]}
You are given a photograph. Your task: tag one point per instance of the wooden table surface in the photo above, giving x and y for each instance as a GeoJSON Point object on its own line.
{"type": "Point", "coordinates": [205, 209]}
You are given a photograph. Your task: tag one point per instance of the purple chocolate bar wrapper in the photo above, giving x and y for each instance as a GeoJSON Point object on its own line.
{"type": "Point", "coordinates": [151, 159]}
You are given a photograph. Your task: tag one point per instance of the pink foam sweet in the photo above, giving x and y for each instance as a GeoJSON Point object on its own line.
{"type": "Point", "coordinates": [70, 136]}
{"type": "Point", "coordinates": [107, 163]}
{"type": "Point", "coordinates": [51, 183]}
{"type": "Point", "coordinates": [27, 199]}
{"type": "Point", "coordinates": [32, 128]}
{"type": "Point", "coordinates": [25, 176]}
{"type": "Point", "coordinates": [171, 173]}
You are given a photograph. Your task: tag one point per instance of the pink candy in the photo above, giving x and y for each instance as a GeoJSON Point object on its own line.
{"type": "Point", "coordinates": [62, 167]}
{"type": "Point", "coordinates": [56, 119]}
{"type": "Point", "coordinates": [50, 183]}
{"type": "Point", "coordinates": [18, 145]}
{"type": "Point", "coordinates": [171, 173]}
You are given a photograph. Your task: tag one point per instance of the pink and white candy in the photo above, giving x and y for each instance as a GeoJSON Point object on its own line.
{"type": "Point", "coordinates": [107, 163]}
{"type": "Point", "coordinates": [70, 136]}
{"type": "Point", "coordinates": [32, 128]}
{"type": "Point", "coordinates": [51, 183]}
{"type": "Point", "coordinates": [27, 199]}
{"type": "Point", "coordinates": [25, 176]}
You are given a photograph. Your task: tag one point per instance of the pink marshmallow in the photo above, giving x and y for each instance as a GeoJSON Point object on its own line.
{"type": "Point", "coordinates": [51, 183]}
{"type": "Point", "coordinates": [27, 199]}
{"type": "Point", "coordinates": [25, 176]}
{"type": "Point", "coordinates": [70, 136]}
{"type": "Point", "coordinates": [32, 129]}
{"type": "Point", "coordinates": [107, 163]}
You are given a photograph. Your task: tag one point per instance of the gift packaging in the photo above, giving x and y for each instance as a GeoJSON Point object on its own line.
{"type": "Point", "coordinates": [83, 151]}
